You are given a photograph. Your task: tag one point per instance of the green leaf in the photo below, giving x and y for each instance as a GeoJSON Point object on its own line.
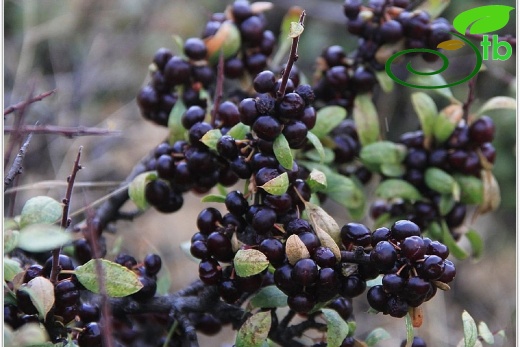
{"type": "Point", "coordinates": [40, 210]}
{"type": "Point", "coordinates": [42, 237]}
{"type": "Point", "coordinates": [29, 335]}
{"type": "Point", "coordinates": [443, 128]}
{"type": "Point", "coordinates": [283, 152]}
{"type": "Point", "coordinates": [41, 292]}
{"type": "Point", "coordinates": [226, 39]}
{"type": "Point", "coordinates": [11, 269]}
{"type": "Point", "coordinates": [434, 7]}
{"type": "Point", "coordinates": [314, 155]}
{"type": "Point", "coordinates": [284, 43]}
{"type": "Point", "coordinates": [269, 297]}
{"type": "Point", "coordinates": [366, 119]}
{"type": "Point", "coordinates": [11, 238]}
{"type": "Point", "coordinates": [214, 198]}
{"type": "Point", "coordinates": [136, 189]}
{"type": "Point", "coordinates": [442, 182]}
{"type": "Point", "coordinates": [177, 131]}
{"type": "Point", "coordinates": [337, 328]}
{"type": "Point", "coordinates": [317, 181]}
{"type": "Point", "coordinates": [238, 131]}
{"type": "Point", "coordinates": [383, 152]}
{"type": "Point", "coordinates": [397, 188]}
{"type": "Point", "coordinates": [409, 330]}
{"type": "Point", "coordinates": [164, 283]}
{"type": "Point", "coordinates": [450, 242]}
{"type": "Point", "coordinates": [485, 333]}
{"type": "Point", "coordinates": [471, 189]}
{"type": "Point", "coordinates": [317, 145]}
{"type": "Point", "coordinates": [426, 110]}
{"type": "Point", "coordinates": [432, 81]}
{"type": "Point", "coordinates": [476, 242]}
{"type": "Point", "coordinates": [386, 83]}
{"type": "Point", "coordinates": [254, 331]}
{"type": "Point", "coordinates": [119, 281]}
{"type": "Point", "coordinates": [211, 138]}
{"type": "Point", "coordinates": [435, 231]}
{"type": "Point", "coordinates": [482, 19]}
{"type": "Point", "coordinates": [249, 262]}
{"type": "Point", "coordinates": [327, 119]}
{"type": "Point", "coordinates": [392, 170]}
{"type": "Point", "coordinates": [375, 336]}
{"type": "Point", "coordinates": [496, 103]}
{"type": "Point", "coordinates": [470, 330]}
{"type": "Point", "coordinates": [446, 204]}
{"type": "Point", "coordinates": [278, 185]}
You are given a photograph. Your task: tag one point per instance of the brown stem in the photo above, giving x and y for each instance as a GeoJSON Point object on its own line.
{"type": "Point", "coordinates": [471, 97]}
{"type": "Point", "coordinates": [218, 89]}
{"type": "Point", "coordinates": [293, 56]}
{"type": "Point", "coordinates": [59, 130]}
{"type": "Point", "coordinates": [65, 216]}
{"type": "Point", "coordinates": [16, 168]}
{"type": "Point", "coordinates": [23, 104]}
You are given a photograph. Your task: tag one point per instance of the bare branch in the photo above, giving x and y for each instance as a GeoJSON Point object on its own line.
{"type": "Point", "coordinates": [23, 104]}
{"type": "Point", "coordinates": [65, 131]}
{"type": "Point", "coordinates": [16, 168]}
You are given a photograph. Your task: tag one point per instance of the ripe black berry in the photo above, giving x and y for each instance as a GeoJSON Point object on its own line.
{"type": "Point", "coordinates": [305, 272]}
{"type": "Point", "coordinates": [90, 336]}
{"type": "Point", "coordinates": [403, 229]}
{"type": "Point", "coordinates": [152, 264]}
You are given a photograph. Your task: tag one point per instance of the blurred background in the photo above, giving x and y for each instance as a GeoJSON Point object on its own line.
{"type": "Point", "coordinates": [96, 54]}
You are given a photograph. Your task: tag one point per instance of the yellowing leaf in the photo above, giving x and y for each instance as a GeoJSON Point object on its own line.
{"type": "Point", "coordinates": [42, 237]}
{"type": "Point", "coordinates": [119, 281]}
{"type": "Point", "coordinates": [451, 45]}
{"type": "Point", "coordinates": [249, 262]}
{"type": "Point", "coordinates": [254, 331]}
{"type": "Point", "coordinates": [41, 292]}
{"type": "Point", "coordinates": [40, 209]}
{"type": "Point", "coordinates": [278, 185]}
{"type": "Point", "coordinates": [136, 189]}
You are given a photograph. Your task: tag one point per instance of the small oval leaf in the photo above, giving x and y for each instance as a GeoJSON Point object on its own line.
{"type": "Point", "coordinates": [177, 131]}
{"type": "Point", "coordinates": [397, 188]}
{"type": "Point", "coordinates": [366, 119]}
{"type": "Point", "coordinates": [11, 269]}
{"type": "Point", "coordinates": [482, 19]}
{"type": "Point", "coordinates": [42, 237]}
{"type": "Point", "coordinates": [295, 249]}
{"type": "Point", "coordinates": [41, 292]}
{"type": "Point", "coordinates": [426, 110]}
{"type": "Point", "coordinates": [226, 39]}
{"type": "Point", "coordinates": [449, 241]}
{"type": "Point", "coordinates": [322, 220]}
{"type": "Point", "coordinates": [470, 330]}
{"type": "Point", "coordinates": [136, 189]}
{"type": "Point", "coordinates": [254, 331]}
{"type": "Point", "coordinates": [40, 210]}
{"type": "Point", "coordinates": [317, 145]}
{"type": "Point", "coordinates": [269, 297]}
{"type": "Point", "coordinates": [327, 119]}
{"type": "Point", "coordinates": [11, 238]}
{"type": "Point", "coordinates": [249, 262]}
{"type": "Point", "coordinates": [211, 138]}
{"type": "Point", "coordinates": [485, 333]}
{"type": "Point", "coordinates": [317, 181]}
{"type": "Point", "coordinates": [383, 152]}
{"type": "Point", "coordinates": [476, 242]}
{"type": "Point", "coordinates": [451, 45]}
{"type": "Point", "coordinates": [498, 102]}
{"type": "Point", "coordinates": [295, 30]}
{"type": "Point", "coordinates": [278, 185]}
{"type": "Point", "coordinates": [337, 328]}
{"type": "Point", "coordinates": [214, 198]}
{"type": "Point", "coordinates": [442, 182]}
{"type": "Point", "coordinates": [327, 241]}
{"type": "Point", "coordinates": [375, 336]}
{"type": "Point", "coordinates": [471, 189]}
{"type": "Point", "coordinates": [119, 281]}
{"type": "Point", "coordinates": [238, 131]}
{"type": "Point", "coordinates": [283, 152]}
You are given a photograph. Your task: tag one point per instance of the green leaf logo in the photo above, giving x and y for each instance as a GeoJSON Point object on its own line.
{"type": "Point", "coordinates": [483, 19]}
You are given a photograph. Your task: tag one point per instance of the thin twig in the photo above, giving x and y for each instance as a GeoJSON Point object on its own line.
{"type": "Point", "coordinates": [218, 89]}
{"type": "Point", "coordinates": [16, 168]}
{"type": "Point", "coordinates": [471, 97]}
{"type": "Point", "coordinates": [65, 216]}
{"type": "Point", "coordinates": [65, 131]}
{"type": "Point", "coordinates": [23, 104]}
{"type": "Point", "coordinates": [293, 56]}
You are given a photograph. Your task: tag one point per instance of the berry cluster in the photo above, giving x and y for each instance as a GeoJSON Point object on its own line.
{"type": "Point", "coordinates": [257, 43]}
{"type": "Point", "coordinates": [413, 268]}
{"type": "Point", "coordinates": [467, 151]}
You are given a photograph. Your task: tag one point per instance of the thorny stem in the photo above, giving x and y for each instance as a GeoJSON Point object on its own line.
{"type": "Point", "coordinates": [65, 216]}
{"type": "Point", "coordinates": [16, 168]}
{"type": "Point", "coordinates": [471, 97]}
{"type": "Point", "coordinates": [59, 130]}
{"type": "Point", "coordinates": [23, 104]}
{"type": "Point", "coordinates": [219, 88]}
{"type": "Point", "coordinates": [293, 56]}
